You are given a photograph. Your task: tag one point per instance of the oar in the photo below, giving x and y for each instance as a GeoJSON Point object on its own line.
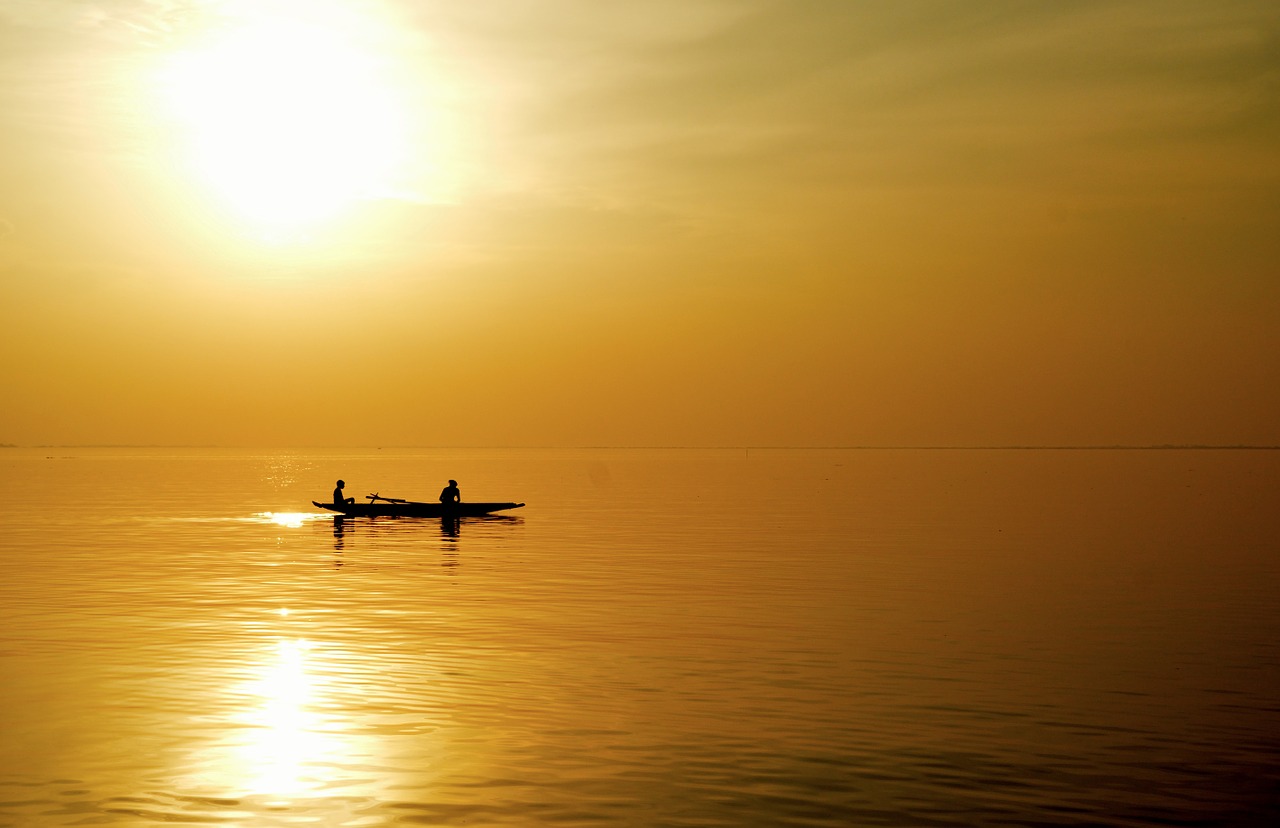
{"type": "Point", "coordinates": [376, 496]}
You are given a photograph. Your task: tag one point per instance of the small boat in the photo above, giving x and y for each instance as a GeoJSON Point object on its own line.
{"type": "Point", "coordinates": [396, 507]}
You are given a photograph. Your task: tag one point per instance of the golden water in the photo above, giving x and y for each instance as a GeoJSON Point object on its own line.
{"type": "Point", "coordinates": [661, 637]}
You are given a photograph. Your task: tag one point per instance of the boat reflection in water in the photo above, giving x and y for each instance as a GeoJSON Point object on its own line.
{"type": "Point", "coordinates": [450, 526]}
{"type": "Point", "coordinates": [451, 530]}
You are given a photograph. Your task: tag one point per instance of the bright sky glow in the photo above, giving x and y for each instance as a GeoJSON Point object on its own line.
{"type": "Point", "coordinates": [289, 115]}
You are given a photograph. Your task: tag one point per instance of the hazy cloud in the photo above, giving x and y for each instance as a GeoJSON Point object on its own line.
{"type": "Point", "coordinates": [950, 205]}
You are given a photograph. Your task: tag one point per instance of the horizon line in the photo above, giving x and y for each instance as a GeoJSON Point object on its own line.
{"type": "Point", "coordinates": [759, 447]}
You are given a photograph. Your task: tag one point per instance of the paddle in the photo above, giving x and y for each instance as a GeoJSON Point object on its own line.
{"type": "Point", "coordinates": [376, 496]}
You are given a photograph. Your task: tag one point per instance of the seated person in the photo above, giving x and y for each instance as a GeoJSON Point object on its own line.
{"type": "Point", "coordinates": [338, 499]}
{"type": "Point", "coordinates": [450, 493]}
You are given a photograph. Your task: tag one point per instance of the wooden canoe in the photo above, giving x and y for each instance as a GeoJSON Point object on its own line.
{"type": "Point", "coordinates": [393, 507]}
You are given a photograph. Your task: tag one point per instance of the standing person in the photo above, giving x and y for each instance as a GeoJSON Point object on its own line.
{"type": "Point", "coordinates": [338, 499]}
{"type": "Point", "coordinates": [450, 494]}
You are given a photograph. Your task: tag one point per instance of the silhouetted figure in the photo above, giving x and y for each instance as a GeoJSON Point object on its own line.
{"type": "Point", "coordinates": [338, 499]}
{"type": "Point", "coordinates": [450, 494]}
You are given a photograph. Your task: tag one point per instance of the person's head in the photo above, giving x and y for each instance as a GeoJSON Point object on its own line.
{"type": "Point", "coordinates": [453, 483]}
{"type": "Point", "coordinates": [341, 484]}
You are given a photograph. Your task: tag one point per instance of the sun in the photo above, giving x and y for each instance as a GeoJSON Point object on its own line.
{"type": "Point", "coordinates": [288, 114]}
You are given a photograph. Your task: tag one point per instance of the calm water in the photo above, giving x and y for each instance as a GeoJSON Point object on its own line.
{"type": "Point", "coordinates": [660, 638]}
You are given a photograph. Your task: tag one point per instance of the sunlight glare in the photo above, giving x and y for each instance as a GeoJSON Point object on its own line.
{"type": "Point", "coordinates": [290, 113]}
{"type": "Point", "coordinates": [285, 734]}
{"type": "Point", "coordinates": [289, 735]}
{"type": "Point", "coordinates": [290, 520]}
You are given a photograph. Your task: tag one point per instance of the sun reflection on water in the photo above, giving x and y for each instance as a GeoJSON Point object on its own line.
{"type": "Point", "coordinates": [289, 735]}
{"type": "Point", "coordinates": [292, 520]}
{"type": "Point", "coordinates": [279, 742]}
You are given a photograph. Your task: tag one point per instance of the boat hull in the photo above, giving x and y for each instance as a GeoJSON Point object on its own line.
{"type": "Point", "coordinates": [416, 509]}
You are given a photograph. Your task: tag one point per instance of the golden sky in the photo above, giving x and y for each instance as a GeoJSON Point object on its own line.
{"type": "Point", "coordinates": [678, 222]}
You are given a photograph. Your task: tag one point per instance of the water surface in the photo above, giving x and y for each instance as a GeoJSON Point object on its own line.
{"type": "Point", "coordinates": [671, 637]}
